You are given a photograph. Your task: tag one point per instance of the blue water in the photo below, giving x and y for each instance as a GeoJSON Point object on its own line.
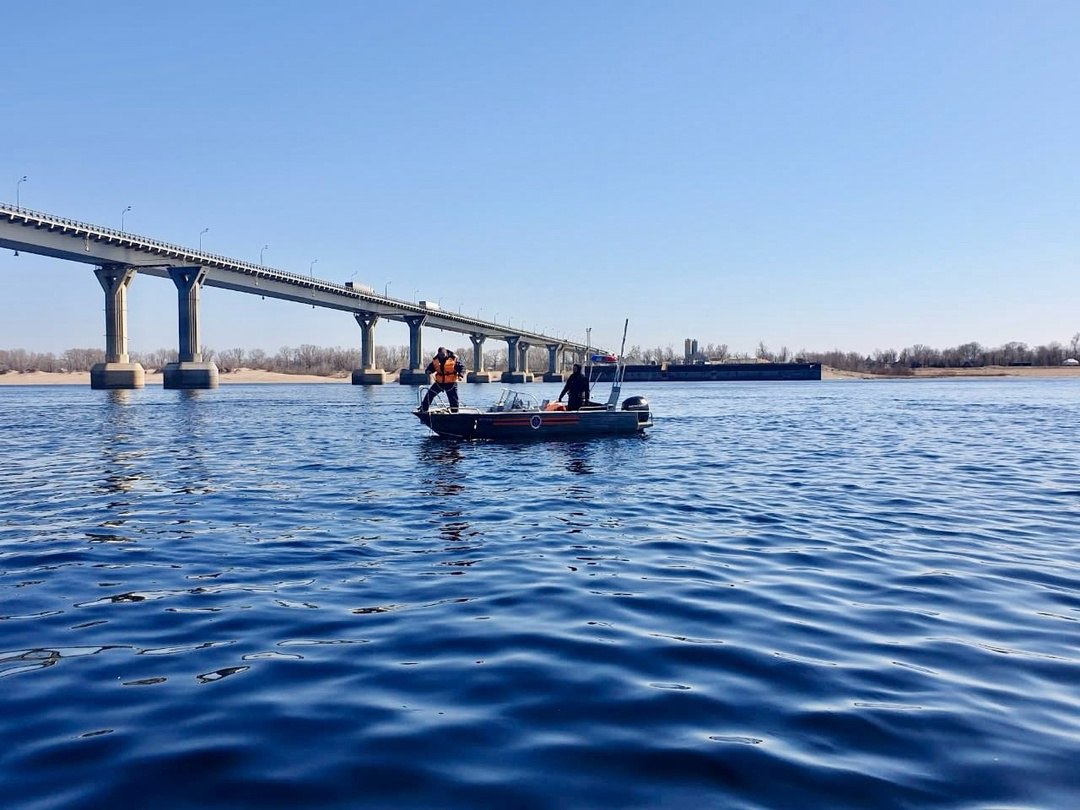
{"type": "Point", "coordinates": [788, 595]}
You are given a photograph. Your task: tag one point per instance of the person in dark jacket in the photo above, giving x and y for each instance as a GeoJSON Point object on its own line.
{"type": "Point", "coordinates": [576, 390]}
{"type": "Point", "coordinates": [447, 370]}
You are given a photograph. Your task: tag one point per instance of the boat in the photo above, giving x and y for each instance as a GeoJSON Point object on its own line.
{"type": "Point", "coordinates": [518, 416]}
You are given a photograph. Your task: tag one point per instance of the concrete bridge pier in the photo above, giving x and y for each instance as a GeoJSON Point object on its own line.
{"type": "Point", "coordinates": [190, 371]}
{"type": "Point", "coordinates": [478, 375]}
{"type": "Point", "coordinates": [516, 366]}
{"type": "Point", "coordinates": [117, 371]}
{"type": "Point", "coordinates": [415, 374]}
{"type": "Point", "coordinates": [523, 362]}
{"type": "Point", "coordinates": [554, 373]}
{"type": "Point", "coordinates": [367, 374]}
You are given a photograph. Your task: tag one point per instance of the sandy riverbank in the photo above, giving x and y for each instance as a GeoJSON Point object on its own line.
{"type": "Point", "coordinates": [240, 375]}
{"type": "Point", "coordinates": [250, 375]}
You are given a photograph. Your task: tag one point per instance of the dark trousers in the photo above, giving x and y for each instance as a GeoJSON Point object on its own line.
{"type": "Point", "coordinates": [574, 402]}
{"type": "Point", "coordinates": [451, 394]}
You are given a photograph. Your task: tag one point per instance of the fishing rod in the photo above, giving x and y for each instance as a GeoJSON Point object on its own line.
{"type": "Point", "coordinates": [620, 364]}
{"type": "Point", "coordinates": [620, 368]}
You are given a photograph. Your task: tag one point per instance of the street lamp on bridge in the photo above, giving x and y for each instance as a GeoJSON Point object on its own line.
{"type": "Point", "coordinates": [385, 289]}
{"type": "Point", "coordinates": [261, 252]}
{"type": "Point", "coordinates": [204, 230]}
{"type": "Point", "coordinates": [122, 218]}
{"type": "Point", "coordinates": [311, 268]}
{"type": "Point", "coordinates": [22, 180]}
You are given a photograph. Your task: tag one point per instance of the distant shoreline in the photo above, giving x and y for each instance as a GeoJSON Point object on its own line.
{"type": "Point", "coordinates": [979, 373]}
{"type": "Point", "coordinates": [247, 375]}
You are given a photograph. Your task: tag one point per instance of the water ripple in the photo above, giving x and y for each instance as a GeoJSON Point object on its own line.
{"type": "Point", "coordinates": [837, 595]}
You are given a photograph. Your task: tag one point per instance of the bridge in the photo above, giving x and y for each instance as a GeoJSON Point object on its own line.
{"type": "Point", "coordinates": [118, 256]}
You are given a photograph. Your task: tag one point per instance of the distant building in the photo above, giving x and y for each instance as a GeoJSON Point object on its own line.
{"type": "Point", "coordinates": [690, 350]}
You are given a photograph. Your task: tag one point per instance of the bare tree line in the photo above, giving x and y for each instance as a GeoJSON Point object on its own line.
{"type": "Point", "coordinates": [304, 359]}
{"type": "Point", "coordinates": [310, 359]}
{"type": "Point", "coordinates": [966, 355]}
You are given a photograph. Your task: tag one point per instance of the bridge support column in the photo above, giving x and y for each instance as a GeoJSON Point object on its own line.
{"type": "Point", "coordinates": [117, 371]}
{"type": "Point", "coordinates": [415, 374]}
{"type": "Point", "coordinates": [478, 375]}
{"type": "Point", "coordinates": [189, 371]}
{"type": "Point", "coordinates": [523, 360]}
{"type": "Point", "coordinates": [514, 346]}
{"type": "Point", "coordinates": [554, 373]}
{"type": "Point", "coordinates": [367, 374]}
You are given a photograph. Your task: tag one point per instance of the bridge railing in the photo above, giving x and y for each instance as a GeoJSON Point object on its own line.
{"type": "Point", "coordinates": [99, 233]}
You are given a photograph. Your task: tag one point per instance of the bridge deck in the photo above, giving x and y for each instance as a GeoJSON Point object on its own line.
{"type": "Point", "coordinates": [70, 240]}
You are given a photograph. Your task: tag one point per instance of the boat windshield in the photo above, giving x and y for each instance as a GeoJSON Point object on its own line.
{"type": "Point", "coordinates": [510, 400]}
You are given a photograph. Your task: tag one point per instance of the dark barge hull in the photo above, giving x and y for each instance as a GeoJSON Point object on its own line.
{"type": "Point", "coordinates": [714, 372]}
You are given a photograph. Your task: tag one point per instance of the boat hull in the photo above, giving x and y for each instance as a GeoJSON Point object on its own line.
{"type": "Point", "coordinates": [533, 424]}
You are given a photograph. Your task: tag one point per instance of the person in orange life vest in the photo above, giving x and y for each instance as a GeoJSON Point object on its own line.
{"type": "Point", "coordinates": [447, 370]}
{"type": "Point", "coordinates": [577, 386]}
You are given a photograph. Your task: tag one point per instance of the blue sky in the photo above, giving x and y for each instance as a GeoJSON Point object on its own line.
{"type": "Point", "coordinates": [815, 175]}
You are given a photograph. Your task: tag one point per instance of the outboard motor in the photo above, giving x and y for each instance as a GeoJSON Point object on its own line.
{"type": "Point", "coordinates": [641, 406]}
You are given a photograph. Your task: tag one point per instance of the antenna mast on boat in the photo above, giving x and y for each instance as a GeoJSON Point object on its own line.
{"type": "Point", "coordinates": [588, 355]}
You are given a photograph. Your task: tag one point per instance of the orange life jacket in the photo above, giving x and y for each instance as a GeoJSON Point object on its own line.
{"type": "Point", "coordinates": [447, 371]}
